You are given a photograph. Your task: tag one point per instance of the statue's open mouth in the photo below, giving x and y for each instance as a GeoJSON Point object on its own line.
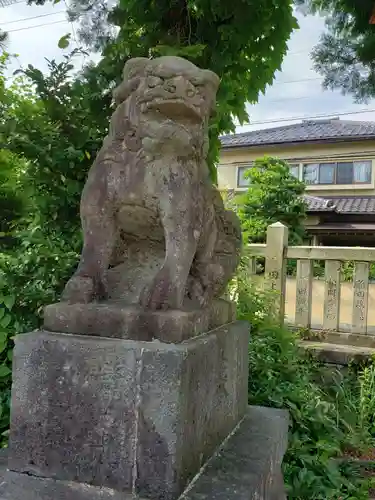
{"type": "Point", "coordinates": [176, 109]}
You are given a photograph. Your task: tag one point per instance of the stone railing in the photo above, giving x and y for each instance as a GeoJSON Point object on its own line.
{"type": "Point", "coordinates": [276, 252]}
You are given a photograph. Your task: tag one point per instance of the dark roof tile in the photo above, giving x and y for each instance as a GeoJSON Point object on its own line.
{"type": "Point", "coordinates": [341, 204]}
{"type": "Point", "coordinates": [307, 130]}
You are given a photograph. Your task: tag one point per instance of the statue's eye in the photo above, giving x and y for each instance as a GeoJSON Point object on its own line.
{"type": "Point", "coordinates": [154, 81]}
{"type": "Point", "coordinates": [199, 89]}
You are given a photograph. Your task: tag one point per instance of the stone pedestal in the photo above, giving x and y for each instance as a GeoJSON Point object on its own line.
{"type": "Point", "coordinates": [246, 467]}
{"type": "Point", "coordinates": [117, 319]}
{"type": "Point", "coordinates": [136, 417]}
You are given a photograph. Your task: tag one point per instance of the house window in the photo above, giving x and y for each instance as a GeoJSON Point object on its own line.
{"type": "Point", "coordinates": [341, 172]}
{"type": "Point", "coordinates": [294, 170]}
{"type": "Point", "coordinates": [241, 180]}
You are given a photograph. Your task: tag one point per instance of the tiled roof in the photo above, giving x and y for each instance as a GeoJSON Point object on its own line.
{"type": "Point", "coordinates": [317, 204]}
{"type": "Point", "coordinates": [333, 129]}
{"type": "Point", "coordinates": [341, 204]}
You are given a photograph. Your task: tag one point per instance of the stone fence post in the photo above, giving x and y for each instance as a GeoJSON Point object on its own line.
{"type": "Point", "coordinates": [277, 243]}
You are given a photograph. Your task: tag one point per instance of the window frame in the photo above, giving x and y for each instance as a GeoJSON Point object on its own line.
{"type": "Point", "coordinates": [239, 169]}
{"type": "Point", "coordinates": [297, 166]}
{"type": "Point", "coordinates": [336, 163]}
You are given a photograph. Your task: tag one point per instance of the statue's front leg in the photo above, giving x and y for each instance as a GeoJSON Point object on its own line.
{"type": "Point", "coordinates": [178, 217]}
{"type": "Point", "coordinates": [89, 282]}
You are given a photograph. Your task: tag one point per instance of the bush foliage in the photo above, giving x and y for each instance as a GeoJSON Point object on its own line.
{"type": "Point", "coordinates": [273, 195]}
{"type": "Point", "coordinates": [325, 420]}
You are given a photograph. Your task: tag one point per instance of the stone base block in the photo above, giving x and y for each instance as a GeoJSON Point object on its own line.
{"type": "Point", "coordinates": [132, 416]}
{"type": "Point", "coordinates": [115, 319]}
{"type": "Point", "coordinates": [247, 467]}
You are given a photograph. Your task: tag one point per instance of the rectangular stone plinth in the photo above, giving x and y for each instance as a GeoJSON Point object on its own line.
{"type": "Point", "coordinates": [137, 417]}
{"type": "Point", "coordinates": [247, 467]}
{"type": "Point", "coordinates": [115, 319]}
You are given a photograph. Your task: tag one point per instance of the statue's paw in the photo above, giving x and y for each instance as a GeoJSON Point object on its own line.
{"type": "Point", "coordinates": [162, 294]}
{"type": "Point", "coordinates": [199, 290]}
{"type": "Point", "coordinates": [195, 291]}
{"type": "Point", "coordinates": [79, 290]}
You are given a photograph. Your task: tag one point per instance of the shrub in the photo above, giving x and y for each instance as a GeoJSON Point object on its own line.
{"type": "Point", "coordinates": [273, 195]}
{"type": "Point", "coordinates": [6, 349]}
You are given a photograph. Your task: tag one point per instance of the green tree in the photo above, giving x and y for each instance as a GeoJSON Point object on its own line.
{"type": "Point", "coordinates": [51, 127]}
{"type": "Point", "coordinates": [345, 53]}
{"type": "Point", "coordinates": [56, 123]}
{"type": "Point", "coordinates": [12, 203]}
{"type": "Point", "coordinates": [274, 195]}
{"type": "Point", "coordinates": [242, 41]}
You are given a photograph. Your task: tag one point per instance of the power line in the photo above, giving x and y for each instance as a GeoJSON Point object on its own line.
{"type": "Point", "coordinates": [301, 98]}
{"type": "Point", "coordinates": [37, 26]}
{"type": "Point", "coordinates": [56, 22]}
{"type": "Point", "coordinates": [298, 81]}
{"type": "Point", "coordinates": [295, 118]}
{"type": "Point", "coordinates": [34, 17]}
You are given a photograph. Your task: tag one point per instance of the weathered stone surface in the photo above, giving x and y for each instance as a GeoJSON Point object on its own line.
{"type": "Point", "coordinates": [155, 229]}
{"type": "Point", "coordinates": [126, 415]}
{"type": "Point", "coordinates": [17, 486]}
{"type": "Point", "coordinates": [246, 468]}
{"type": "Point", "coordinates": [337, 354]}
{"type": "Point", "coordinates": [116, 320]}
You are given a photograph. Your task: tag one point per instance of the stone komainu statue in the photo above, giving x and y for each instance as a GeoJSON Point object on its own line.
{"type": "Point", "coordinates": [155, 228]}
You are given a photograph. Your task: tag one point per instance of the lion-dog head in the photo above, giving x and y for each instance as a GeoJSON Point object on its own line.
{"type": "Point", "coordinates": [168, 104]}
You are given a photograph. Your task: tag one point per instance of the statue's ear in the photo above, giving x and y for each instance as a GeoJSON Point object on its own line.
{"type": "Point", "coordinates": [135, 68]}
{"type": "Point", "coordinates": [123, 91]}
{"type": "Point", "coordinates": [134, 71]}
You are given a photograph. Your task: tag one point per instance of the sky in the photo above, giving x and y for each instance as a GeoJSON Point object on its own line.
{"type": "Point", "coordinates": [34, 32]}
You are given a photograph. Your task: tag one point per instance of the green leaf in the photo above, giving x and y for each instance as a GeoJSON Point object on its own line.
{"type": "Point", "coordinates": [5, 321]}
{"type": "Point", "coordinates": [4, 371]}
{"type": "Point", "coordinates": [64, 41]}
{"type": "Point", "coordinates": [9, 301]}
{"type": "Point", "coordinates": [3, 344]}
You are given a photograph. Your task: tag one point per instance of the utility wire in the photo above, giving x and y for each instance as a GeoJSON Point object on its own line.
{"type": "Point", "coordinates": [283, 82]}
{"type": "Point", "coordinates": [34, 17]}
{"type": "Point", "coordinates": [284, 99]}
{"type": "Point", "coordinates": [314, 117]}
{"type": "Point", "coordinates": [303, 51]}
{"type": "Point", "coordinates": [37, 26]}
